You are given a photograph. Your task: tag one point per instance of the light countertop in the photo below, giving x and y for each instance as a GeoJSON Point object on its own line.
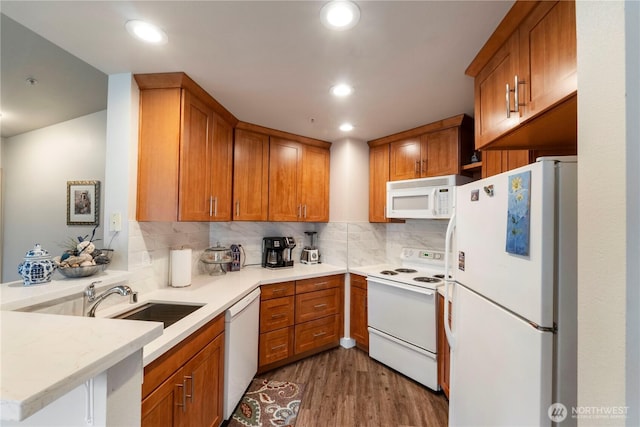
{"type": "Point", "coordinates": [29, 382]}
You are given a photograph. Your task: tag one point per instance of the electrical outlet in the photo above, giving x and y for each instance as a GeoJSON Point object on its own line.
{"type": "Point", "coordinates": [116, 222]}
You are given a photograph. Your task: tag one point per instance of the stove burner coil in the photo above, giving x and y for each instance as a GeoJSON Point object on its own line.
{"type": "Point", "coordinates": [388, 272]}
{"type": "Point", "coordinates": [406, 270]}
{"type": "Point", "coordinates": [427, 280]}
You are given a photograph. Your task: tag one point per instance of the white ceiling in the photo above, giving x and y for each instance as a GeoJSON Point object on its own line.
{"type": "Point", "coordinates": [271, 63]}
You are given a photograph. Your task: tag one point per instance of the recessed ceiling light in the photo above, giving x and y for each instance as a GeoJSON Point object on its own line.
{"type": "Point", "coordinates": [341, 90]}
{"type": "Point", "coordinates": [146, 32]}
{"type": "Point", "coordinates": [340, 15]}
{"type": "Point", "coordinates": [346, 127]}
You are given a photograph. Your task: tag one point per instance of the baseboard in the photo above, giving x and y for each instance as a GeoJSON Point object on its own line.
{"type": "Point", "coordinates": [347, 342]}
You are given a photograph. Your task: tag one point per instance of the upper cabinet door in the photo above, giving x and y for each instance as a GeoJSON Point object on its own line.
{"type": "Point", "coordinates": [492, 118]}
{"type": "Point", "coordinates": [284, 175]}
{"type": "Point", "coordinates": [314, 185]}
{"type": "Point", "coordinates": [548, 56]}
{"type": "Point", "coordinates": [196, 199]}
{"type": "Point", "coordinates": [442, 148]}
{"type": "Point", "coordinates": [250, 176]}
{"type": "Point", "coordinates": [378, 177]}
{"type": "Point", "coordinates": [405, 159]}
{"type": "Point", "coordinates": [221, 164]}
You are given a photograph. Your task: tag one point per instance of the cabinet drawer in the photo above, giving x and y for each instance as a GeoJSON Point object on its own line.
{"type": "Point", "coordinates": [276, 313]}
{"type": "Point", "coordinates": [314, 305]}
{"type": "Point", "coordinates": [317, 333]}
{"type": "Point", "coordinates": [275, 346]}
{"type": "Point", "coordinates": [277, 290]}
{"type": "Point", "coordinates": [318, 283]}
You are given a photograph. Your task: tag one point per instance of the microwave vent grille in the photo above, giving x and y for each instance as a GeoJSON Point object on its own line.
{"type": "Point", "coordinates": [418, 183]}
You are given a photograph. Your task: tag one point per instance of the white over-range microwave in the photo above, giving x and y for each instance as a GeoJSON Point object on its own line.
{"type": "Point", "coordinates": [423, 198]}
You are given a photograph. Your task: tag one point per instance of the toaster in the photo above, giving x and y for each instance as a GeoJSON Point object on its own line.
{"type": "Point", "coordinates": [309, 256]}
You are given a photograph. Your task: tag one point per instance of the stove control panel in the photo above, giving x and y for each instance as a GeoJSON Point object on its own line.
{"type": "Point", "coordinates": [421, 255]}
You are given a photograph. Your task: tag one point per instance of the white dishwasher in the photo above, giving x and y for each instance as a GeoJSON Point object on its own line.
{"type": "Point", "coordinates": [240, 349]}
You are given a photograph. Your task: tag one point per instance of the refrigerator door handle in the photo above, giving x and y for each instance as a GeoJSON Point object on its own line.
{"type": "Point", "coordinates": [434, 207]}
{"type": "Point", "coordinates": [447, 249]}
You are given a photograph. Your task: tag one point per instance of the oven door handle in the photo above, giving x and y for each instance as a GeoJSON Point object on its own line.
{"type": "Point", "coordinates": [409, 288]}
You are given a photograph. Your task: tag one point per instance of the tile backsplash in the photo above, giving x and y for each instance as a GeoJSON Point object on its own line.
{"type": "Point", "coordinates": [340, 243]}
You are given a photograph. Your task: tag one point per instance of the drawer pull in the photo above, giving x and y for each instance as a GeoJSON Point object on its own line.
{"type": "Point", "coordinates": [277, 316]}
{"type": "Point", "coordinates": [279, 290]}
{"type": "Point", "coordinates": [321, 283]}
{"type": "Point", "coordinates": [278, 347]}
{"type": "Point", "coordinates": [319, 305]}
{"type": "Point", "coordinates": [319, 334]}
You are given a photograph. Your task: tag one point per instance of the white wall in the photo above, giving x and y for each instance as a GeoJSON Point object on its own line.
{"type": "Point", "coordinates": [37, 166]}
{"type": "Point", "coordinates": [607, 320]}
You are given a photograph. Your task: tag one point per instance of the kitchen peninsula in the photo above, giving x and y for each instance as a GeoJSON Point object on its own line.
{"type": "Point", "coordinates": [32, 341]}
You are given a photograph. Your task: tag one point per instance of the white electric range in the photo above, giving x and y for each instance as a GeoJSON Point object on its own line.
{"type": "Point", "coordinates": [402, 314]}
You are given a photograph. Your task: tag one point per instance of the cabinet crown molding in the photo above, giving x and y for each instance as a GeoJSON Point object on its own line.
{"type": "Point", "coordinates": [282, 134]}
{"type": "Point", "coordinates": [461, 120]}
{"type": "Point", "coordinates": [183, 81]}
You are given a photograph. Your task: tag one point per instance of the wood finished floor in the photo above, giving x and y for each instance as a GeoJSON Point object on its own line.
{"type": "Point", "coordinates": [344, 387]}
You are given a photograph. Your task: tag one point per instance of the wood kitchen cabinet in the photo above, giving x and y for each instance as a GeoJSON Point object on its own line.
{"type": "Point", "coordinates": [250, 176]}
{"type": "Point", "coordinates": [298, 319]}
{"type": "Point", "coordinates": [525, 81]}
{"type": "Point", "coordinates": [378, 177]}
{"type": "Point", "coordinates": [432, 150]}
{"type": "Point", "coordinates": [444, 365]}
{"type": "Point", "coordinates": [497, 161]}
{"type": "Point", "coordinates": [298, 181]}
{"type": "Point", "coordinates": [359, 311]}
{"type": "Point", "coordinates": [185, 151]}
{"type": "Point", "coordinates": [436, 149]}
{"type": "Point", "coordinates": [184, 387]}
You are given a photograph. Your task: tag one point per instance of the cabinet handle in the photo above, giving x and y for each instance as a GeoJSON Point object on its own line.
{"type": "Point", "coordinates": [277, 316]}
{"type": "Point", "coordinates": [279, 290]}
{"type": "Point", "coordinates": [423, 169]}
{"type": "Point", "coordinates": [516, 97]}
{"type": "Point", "coordinates": [237, 208]}
{"type": "Point", "coordinates": [319, 334]}
{"type": "Point", "coordinates": [417, 171]}
{"type": "Point", "coordinates": [278, 346]}
{"type": "Point", "coordinates": [184, 398]}
{"type": "Point", "coordinates": [319, 305]}
{"type": "Point", "coordinates": [190, 396]}
{"type": "Point", "coordinates": [305, 211]}
{"type": "Point", "coordinates": [210, 205]}
{"type": "Point", "coordinates": [320, 283]}
{"type": "Point", "coordinates": [215, 206]}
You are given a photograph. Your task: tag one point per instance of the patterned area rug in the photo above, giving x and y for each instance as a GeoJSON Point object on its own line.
{"type": "Point", "coordinates": [268, 403]}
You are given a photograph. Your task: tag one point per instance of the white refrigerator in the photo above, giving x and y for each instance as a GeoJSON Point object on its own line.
{"type": "Point", "coordinates": [512, 243]}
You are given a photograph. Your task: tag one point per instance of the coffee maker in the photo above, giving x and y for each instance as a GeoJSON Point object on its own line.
{"type": "Point", "coordinates": [277, 252]}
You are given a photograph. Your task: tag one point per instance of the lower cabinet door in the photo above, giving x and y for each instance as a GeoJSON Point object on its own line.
{"type": "Point", "coordinates": [316, 333]}
{"type": "Point", "coordinates": [203, 381]}
{"type": "Point", "coordinates": [163, 407]}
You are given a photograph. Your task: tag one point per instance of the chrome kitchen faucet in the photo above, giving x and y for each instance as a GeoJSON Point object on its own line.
{"type": "Point", "coordinates": [90, 296]}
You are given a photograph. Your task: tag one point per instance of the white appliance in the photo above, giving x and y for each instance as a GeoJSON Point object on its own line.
{"type": "Point", "coordinates": [402, 314]}
{"type": "Point", "coordinates": [240, 349]}
{"type": "Point", "coordinates": [514, 320]}
{"type": "Point", "coordinates": [423, 198]}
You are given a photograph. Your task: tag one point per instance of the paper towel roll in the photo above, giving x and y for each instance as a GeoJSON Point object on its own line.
{"type": "Point", "coordinates": [180, 268]}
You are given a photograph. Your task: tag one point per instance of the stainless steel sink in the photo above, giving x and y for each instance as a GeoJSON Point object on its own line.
{"type": "Point", "coordinates": [167, 313]}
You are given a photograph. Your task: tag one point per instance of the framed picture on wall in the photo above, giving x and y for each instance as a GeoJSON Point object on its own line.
{"type": "Point", "coordinates": [83, 202]}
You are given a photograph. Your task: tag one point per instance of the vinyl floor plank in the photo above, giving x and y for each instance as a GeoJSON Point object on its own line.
{"type": "Point", "coordinates": [346, 388]}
